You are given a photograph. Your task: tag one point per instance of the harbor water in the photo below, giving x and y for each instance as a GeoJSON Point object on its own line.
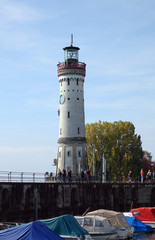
{"type": "Point", "coordinates": [146, 236]}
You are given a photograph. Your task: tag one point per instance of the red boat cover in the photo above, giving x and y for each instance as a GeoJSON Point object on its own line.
{"type": "Point", "coordinates": [144, 214]}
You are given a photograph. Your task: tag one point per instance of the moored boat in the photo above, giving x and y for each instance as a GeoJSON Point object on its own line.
{"type": "Point", "coordinates": [6, 225]}
{"type": "Point", "coordinates": [67, 227]}
{"type": "Point", "coordinates": [139, 226]}
{"type": "Point", "coordinates": [33, 230]}
{"type": "Point", "coordinates": [146, 215]}
{"type": "Point", "coordinates": [118, 220]}
{"type": "Point", "coordinates": [98, 227]}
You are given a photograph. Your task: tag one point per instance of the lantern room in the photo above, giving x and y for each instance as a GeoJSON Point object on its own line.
{"type": "Point", "coordinates": [71, 54]}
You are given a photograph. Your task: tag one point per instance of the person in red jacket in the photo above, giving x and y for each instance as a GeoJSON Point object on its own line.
{"type": "Point", "coordinates": [142, 175]}
{"type": "Point", "coordinates": [88, 175]}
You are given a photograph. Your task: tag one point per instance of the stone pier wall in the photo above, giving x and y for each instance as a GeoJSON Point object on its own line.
{"type": "Point", "coordinates": [24, 202]}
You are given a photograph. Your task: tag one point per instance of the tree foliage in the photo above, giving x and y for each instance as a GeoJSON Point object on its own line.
{"type": "Point", "coordinates": [122, 148]}
{"type": "Point", "coordinates": [148, 164]}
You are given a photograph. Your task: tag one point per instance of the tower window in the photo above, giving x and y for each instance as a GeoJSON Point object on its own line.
{"type": "Point", "coordinates": [68, 81]}
{"type": "Point", "coordinates": [68, 114]}
{"type": "Point", "coordinates": [77, 98]}
{"type": "Point", "coordinates": [79, 154]}
{"type": "Point", "coordinates": [68, 98]}
{"type": "Point", "coordinates": [60, 131]}
{"type": "Point", "coordinates": [59, 154]}
{"type": "Point", "coordinates": [78, 130]}
{"type": "Point", "coordinates": [68, 153]}
{"type": "Point", "coordinates": [77, 81]}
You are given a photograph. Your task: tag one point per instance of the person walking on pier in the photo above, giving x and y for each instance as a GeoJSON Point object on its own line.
{"type": "Point", "coordinates": [60, 175]}
{"type": "Point", "coordinates": [129, 176]}
{"type": "Point", "coordinates": [142, 175]}
{"type": "Point", "coordinates": [69, 175]}
{"type": "Point", "coordinates": [82, 175]}
{"type": "Point", "coordinates": [148, 176]}
{"type": "Point", "coordinates": [64, 175]}
{"type": "Point", "coordinates": [88, 175]}
{"type": "Point", "coordinates": [153, 175]}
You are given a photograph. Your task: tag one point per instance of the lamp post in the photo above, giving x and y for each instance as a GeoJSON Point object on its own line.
{"type": "Point", "coordinates": [94, 150]}
{"type": "Point", "coordinates": [103, 169]}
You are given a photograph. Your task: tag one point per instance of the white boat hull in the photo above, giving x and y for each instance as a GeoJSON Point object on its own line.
{"type": "Point", "coordinates": [151, 224]}
{"type": "Point", "coordinates": [124, 233]}
{"type": "Point", "coordinates": [87, 237]}
{"type": "Point", "coordinates": [104, 236]}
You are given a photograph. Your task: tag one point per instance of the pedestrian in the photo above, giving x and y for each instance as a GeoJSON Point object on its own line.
{"type": "Point", "coordinates": [153, 174]}
{"type": "Point", "coordinates": [88, 175]}
{"type": "Point", "coordinates": [142, 175]}
{"type": "Point", "coordinates": [69, 175]}
{"type": "Point", "coordinates": [82, 175]}
{"type": "Point", "coordinates": [60, 175]}
{"type": "Point", "coordinates": [64, 175]}
{"type": "Point", "coordinates": [129, 176]}
{"type": "Point", "coordinates": [148, 176]}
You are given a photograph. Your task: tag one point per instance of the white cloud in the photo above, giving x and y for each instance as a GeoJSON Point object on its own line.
{"type": "Point", "coordinates": [18, 11]}
{"type": "Point", "coordinates": [14, 40]}
{"type": "Point", "coordinates": [16, 29]}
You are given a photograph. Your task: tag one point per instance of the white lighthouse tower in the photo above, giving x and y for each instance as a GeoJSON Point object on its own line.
{"type": "Point", "coordinates": [72, 153]}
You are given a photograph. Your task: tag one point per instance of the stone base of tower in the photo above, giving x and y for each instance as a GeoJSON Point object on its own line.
{"type": "Point", "coordinates": [72, 154]}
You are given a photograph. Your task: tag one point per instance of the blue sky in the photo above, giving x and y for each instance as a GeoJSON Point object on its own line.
{"type": "Point", "coordinates": [117, 43]}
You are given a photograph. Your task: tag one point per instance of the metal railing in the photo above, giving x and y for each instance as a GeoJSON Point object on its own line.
{"type": "Point", "coordinates": [6, 176]}
{"type": "Point", "coordinates": [79, 65]}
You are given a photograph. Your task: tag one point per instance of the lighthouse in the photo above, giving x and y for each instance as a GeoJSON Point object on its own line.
{"type": "Point", "coordinates": [72, 152]}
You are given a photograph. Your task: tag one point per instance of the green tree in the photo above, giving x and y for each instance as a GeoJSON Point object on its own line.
{"type": "Point", "coordinates": [122, 148]}
{"type": "Point", "coordinates": [148, 164]}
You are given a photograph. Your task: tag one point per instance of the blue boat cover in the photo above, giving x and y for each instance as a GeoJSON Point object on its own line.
{"type": "Point", "coordinates": [138, 225]}
{"type": "Point", "coordinates": [65, 225]}
{"type": "Point", "coordinates": [29, 231]}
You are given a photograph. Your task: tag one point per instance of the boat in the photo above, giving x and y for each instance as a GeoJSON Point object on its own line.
{"type": "Point", "coordinates": [139, 226]}
{"type": "Point", "coordinates": [29, 231]}
{"type": "Point", "coordinates": [67, 227]}
{"type": "Point", "coordinates": [118, 220]}
{"type": "Point", "coordinates": [98, 227]}
{"type": "Point", "coordinates": [5, 225]}
{"type": "Point", "coordinates": [146, 215]}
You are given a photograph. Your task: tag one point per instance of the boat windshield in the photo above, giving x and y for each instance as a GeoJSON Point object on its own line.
{"type": "Point", "coordinates": [88, 222]}
{"type": "Point", "coordinates": [137, 214]}
{"type": "Point", "coordinates": [98, 223]}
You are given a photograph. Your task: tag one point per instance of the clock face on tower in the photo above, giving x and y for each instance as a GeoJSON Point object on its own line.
{"type": "Point", "coordinates": [62, 99]}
